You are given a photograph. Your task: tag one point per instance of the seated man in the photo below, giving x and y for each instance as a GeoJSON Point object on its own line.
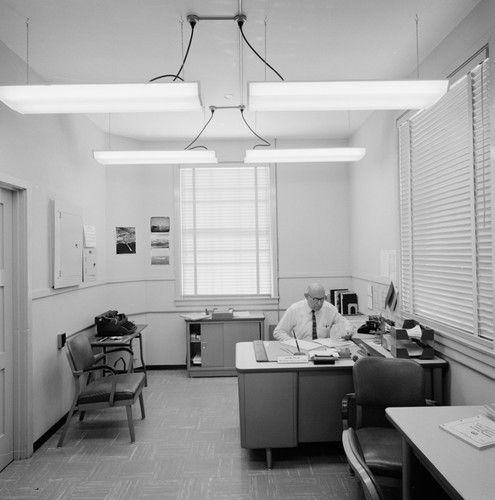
{"type": "Point", "coordinates": [312, 318]}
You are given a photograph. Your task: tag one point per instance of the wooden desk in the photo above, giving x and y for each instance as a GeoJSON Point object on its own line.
{"type": "Point", "coordinates": [122, 341]}
{"type": "Point", "coordinates": [463, 471]}
{"type": "Point", "coordinates": [281, 405]}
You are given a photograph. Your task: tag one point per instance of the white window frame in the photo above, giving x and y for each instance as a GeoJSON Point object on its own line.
{"type": "Point", "coordinates": [225, 299]}
{"type": "Point", "coordinates": [426, 289]}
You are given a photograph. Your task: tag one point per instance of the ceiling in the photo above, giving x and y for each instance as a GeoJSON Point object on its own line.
{"type": "Point", "coordinates": [133, 41]}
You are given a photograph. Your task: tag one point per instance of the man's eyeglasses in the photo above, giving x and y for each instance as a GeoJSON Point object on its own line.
{"type": "Point", "coordinates": [317, 299]}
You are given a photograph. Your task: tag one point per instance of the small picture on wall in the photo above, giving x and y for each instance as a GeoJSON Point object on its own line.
{"type": "Point", "coordinates": [160, 249]}
{"type": "Point", "coordinates": [160, 224]}
{"type": "Point", "coordinates": [160, 241]}
{"type": "Point", "coordinates": [125, 238]}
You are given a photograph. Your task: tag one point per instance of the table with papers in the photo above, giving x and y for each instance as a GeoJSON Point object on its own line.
{"type": "Point", "coordinates": [463, 470]}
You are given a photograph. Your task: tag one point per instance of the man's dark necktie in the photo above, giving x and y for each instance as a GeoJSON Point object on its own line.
{"type": "Point", "coordinates": [315, 334]}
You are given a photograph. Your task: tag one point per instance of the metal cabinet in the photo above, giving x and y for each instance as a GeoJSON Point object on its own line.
{"type": "Point", "coordinates": [211, 343]}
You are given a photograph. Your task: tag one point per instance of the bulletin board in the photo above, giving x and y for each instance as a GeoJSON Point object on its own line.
{"type": "Point", "coordinates": [67, 244]}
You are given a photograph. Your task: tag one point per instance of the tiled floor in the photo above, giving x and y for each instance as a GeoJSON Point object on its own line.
{"type": "Point", "coordinates": [188, 447]}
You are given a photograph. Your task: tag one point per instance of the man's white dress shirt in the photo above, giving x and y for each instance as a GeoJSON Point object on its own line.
{"type": "Point", "coordinates": [298, 320]}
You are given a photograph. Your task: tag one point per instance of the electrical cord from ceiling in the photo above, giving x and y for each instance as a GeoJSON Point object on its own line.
{"type": "Point", "coordinates": [241, 19]}
{"type": "Point", "coordinates": [267, 144]}
{"type": "Point", "coordinates": [193, 20]}
{"type": "Point", "coordinates": [213, 109]}
{"type": "Point", "coordinates": [189, 146]}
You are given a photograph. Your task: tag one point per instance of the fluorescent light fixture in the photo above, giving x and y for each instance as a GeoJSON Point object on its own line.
{"type": "Point", "coordinates": [303, 155]}
{"type": "Point", "coordinates": [105, 98]}
{"type": "Point", "coordinates": [351, 95]}
{"type": "Point", "coordinates": [154, 157]}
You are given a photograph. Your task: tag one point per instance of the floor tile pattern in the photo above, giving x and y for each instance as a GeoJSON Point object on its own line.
{"type": "Point", "coordinates": [187, 448]}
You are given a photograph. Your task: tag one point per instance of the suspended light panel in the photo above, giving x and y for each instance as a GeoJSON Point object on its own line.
{"type": "Point", "coordinates": [154, 157]}
{"type": "Point", "coordinates": [104, 98]}
{"type": "Point", "coordinates": [304, 155]}
{"type": "Point", "coordinates": [351, 95]}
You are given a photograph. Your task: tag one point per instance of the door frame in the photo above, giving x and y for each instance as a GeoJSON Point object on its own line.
{"type": "Point", "coordinates": [22, 316]}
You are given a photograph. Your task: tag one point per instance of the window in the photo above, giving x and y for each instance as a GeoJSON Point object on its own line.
{"type": "Point", "coordinates": [446, 210]}
{"type": "Point", "coordinates": [226, 231]}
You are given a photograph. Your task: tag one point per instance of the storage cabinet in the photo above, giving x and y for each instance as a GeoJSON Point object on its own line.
{"type": "Point", "coordinates": [211, 343]}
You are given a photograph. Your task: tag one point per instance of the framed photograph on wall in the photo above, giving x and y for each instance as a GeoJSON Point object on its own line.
{"type": "Point", "coordinates": [125, 240]}
{"type": "Point", "coordinates": [160, 241]}
{"type": "Point", "coordinates": [160, 224]}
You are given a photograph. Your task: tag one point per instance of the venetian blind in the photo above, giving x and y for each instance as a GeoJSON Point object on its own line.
{"type": "Point", "coordinates": [226, 234]}
{"type": "Point", "coordinates": [445, 209]}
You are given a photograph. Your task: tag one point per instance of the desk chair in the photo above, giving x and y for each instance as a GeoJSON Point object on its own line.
{"type": "Point", "coordinates": [105, 391]}
{"type": "Point", "coordinates": [370, 487]}
{"type": "Point", "coordinates": [380, 383]}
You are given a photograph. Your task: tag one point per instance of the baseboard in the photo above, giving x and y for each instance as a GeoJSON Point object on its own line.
{"type": "Point", "coordinates": [49, 433]}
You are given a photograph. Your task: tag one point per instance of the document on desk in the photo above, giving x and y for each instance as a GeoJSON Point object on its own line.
{"type": "Point", "coordinates": [478, 431]}
{"type": "Point", "coordinates": [304, 345]}
{"type": "Point", "coordinates": [333, 343]}
{"type": "Point", "coordinates": [276, 349]}
{"type": "Point", "coordinates": [195, 316]}
{"type": "Point", "coordinates": [242, 314]}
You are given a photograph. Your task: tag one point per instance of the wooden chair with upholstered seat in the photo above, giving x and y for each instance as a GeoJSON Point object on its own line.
{"type": "Point", "coordinates": [102, 391]}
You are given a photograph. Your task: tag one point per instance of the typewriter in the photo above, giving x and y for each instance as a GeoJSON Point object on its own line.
{"type": "Point", "coordinates": [111, 323]}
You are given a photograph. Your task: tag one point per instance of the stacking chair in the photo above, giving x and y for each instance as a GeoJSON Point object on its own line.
{"type": "Point", "coordinates": [370, 487]}
{"type": "Point", "coordinates": [95, 389]}
{"type": "Point", "coordinates": [380, 383]}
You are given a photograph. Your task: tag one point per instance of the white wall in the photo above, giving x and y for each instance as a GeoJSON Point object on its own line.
{"type": "Point", "coordinates": [374, 206]}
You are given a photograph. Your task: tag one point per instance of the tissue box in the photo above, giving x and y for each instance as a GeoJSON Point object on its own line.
{"type": "Point", "coordinates": [222, 314]}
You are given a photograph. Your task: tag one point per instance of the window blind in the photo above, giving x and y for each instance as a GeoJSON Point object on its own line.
{"type": "Point", "coordinates": [445, 209]}
{"type": "Point", "coordinates": [226, 234]}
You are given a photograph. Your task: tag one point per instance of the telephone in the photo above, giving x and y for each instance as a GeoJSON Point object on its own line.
{"type": "Point", "coordinates": [113, 323]}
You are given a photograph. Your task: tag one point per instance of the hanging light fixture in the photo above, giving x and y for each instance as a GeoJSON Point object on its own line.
{"type": "Point", "coordinates": [346, 95]}
{"type": "Point", "coordinates": [351, 95]}
{"type": "Point", "coordinates": [154, 157]}
{"type": "Point", "coordinates": [102, 98]}
{"type": "Point", "coordinates": [304, 155]}
{"type": "Point", "coordinates": [190, 154]}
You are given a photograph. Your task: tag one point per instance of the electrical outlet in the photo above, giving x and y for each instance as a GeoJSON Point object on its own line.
{"type": "Point", "coordinates": [61, 338]}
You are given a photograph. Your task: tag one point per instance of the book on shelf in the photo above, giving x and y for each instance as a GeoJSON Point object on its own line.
{"type": "Point", "coordinates": [345, 300]}
{"type": "Point", "coordinates": [334, 296]}
{"type": "Point", "coordinates": [348, 303]}
{"type": "Point", "coordinates": [478, 431]}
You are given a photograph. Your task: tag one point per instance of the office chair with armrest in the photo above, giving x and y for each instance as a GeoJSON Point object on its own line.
{"type": "Point", "coordinates": [370, 487]}
{"type": "Point", "coordinates": [380, 383]}
{"type": "Point", "coordinates": [105, 391]}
